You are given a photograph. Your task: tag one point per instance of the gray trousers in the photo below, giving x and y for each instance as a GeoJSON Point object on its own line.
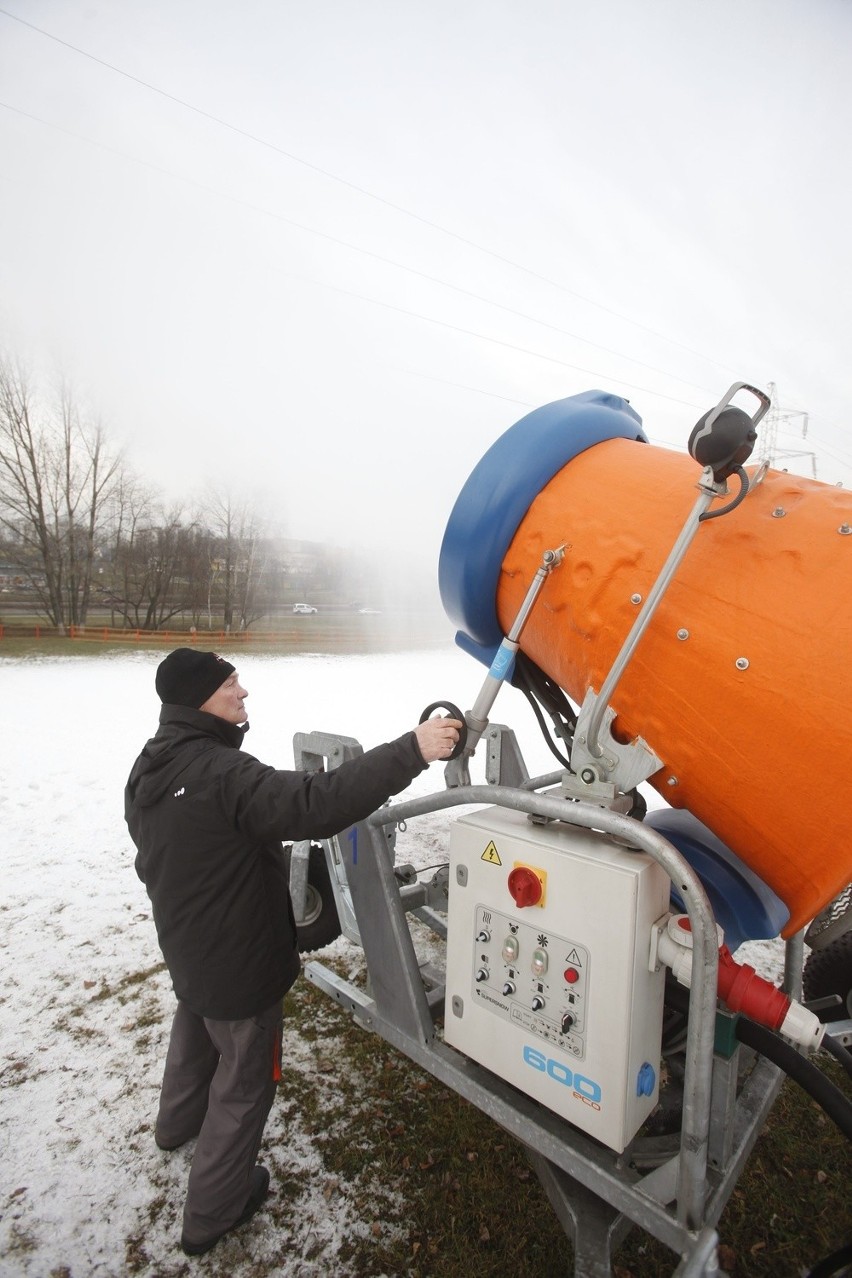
{"type": "Point", "coordinates": [219, 1084]}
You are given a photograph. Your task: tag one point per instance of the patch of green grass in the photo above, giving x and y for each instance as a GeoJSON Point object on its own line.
{"type": "Point", "coordinates": [792, 1206]}
{"type": "Point", "coordinates": [10, 646]}
{"type": "Point", "coordinates": [128, 982]}
{"type": "Point", "coordinates": [328, 631]}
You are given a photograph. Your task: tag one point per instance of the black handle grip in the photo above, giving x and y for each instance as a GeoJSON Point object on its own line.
{"type": "Point", "coordinates": [454, 713]}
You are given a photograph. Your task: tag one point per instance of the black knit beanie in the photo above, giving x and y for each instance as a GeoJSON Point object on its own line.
{"type": "Point", "coordinates": [187, 678]}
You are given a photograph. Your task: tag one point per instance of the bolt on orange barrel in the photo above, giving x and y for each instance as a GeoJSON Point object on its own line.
{"type": "Point", "coordinates": [740, 684]}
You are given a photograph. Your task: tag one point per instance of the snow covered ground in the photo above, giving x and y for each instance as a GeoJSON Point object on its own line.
{"type": "Point", "coordinates": [84, 1019]}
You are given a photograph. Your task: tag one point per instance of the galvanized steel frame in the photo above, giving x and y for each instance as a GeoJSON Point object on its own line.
{"type": "Point", "coordinates": [595, 1192]}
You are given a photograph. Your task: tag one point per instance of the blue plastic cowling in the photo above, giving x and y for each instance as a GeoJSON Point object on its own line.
{"type": "Point", "coordinates": [499, 492]}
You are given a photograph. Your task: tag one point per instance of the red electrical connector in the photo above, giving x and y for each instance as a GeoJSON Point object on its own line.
{"type": "Point", "coordinates": [739, 986]}
{"type": "Point", "coordinates": [742, 990]}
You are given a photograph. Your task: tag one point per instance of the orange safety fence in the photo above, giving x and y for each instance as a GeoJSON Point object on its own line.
{"type": "Point", "coordinates": [112, 634]}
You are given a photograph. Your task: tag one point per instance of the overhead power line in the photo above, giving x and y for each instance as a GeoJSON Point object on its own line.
{"type": "Point", "coordinates": [373, 301]}
{"type": "Point", "coordinates": [402, 210]}
{"type": "Point", "coordinates": [354, 186]}
{"type": "Point", "coordinates": [355, 248]}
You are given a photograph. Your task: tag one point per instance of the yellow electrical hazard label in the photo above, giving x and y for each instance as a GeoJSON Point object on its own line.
{"type": "Point", "coordinates": [491, 855]}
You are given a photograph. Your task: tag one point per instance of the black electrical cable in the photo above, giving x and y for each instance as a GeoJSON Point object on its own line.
{"type": "Point", "coordinates": [840, 1052]}
{"type": "Point", "coordinates": [542, 691]}
{"type": "Point", "coordinates": [547, 690]}
{"type": "Point", "coordinates": [549, 742]}
{"type": "Point", "coordinates": [732, 505]}
{"type": "Point", "coordinates": [835, 1265]}
{"type": "Point", "coordinates": [802, 1071]}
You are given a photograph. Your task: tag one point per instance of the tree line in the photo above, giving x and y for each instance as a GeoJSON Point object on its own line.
{"type": "Point", "coordinates": [86, 534]}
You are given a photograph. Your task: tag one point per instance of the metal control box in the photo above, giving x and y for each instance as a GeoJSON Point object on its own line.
{"type": "Point", "coordinates": [548, 981]}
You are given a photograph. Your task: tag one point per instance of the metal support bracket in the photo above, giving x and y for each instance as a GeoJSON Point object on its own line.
{"type": "Point", "coordinates": [624, 765]}
{"type": "Point", "coordinates": [504, 763]}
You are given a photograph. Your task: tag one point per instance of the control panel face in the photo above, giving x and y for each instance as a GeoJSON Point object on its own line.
{"type": "Point", "coordinates": [548, 981]}
{"type": "Point", "coordinates": [532, 977]}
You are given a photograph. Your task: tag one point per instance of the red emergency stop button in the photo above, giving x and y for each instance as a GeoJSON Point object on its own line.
{"type": "Point", "coordinates": [525, 886]}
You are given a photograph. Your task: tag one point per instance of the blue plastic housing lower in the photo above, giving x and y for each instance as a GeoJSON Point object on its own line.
{"type": "Point", "coordinates": [744, 906]}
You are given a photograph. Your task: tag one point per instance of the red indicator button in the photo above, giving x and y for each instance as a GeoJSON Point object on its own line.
{"type": "Point", "coordinates": [525, 886]}
{"type": "Point", "coordinates": [571, 975]}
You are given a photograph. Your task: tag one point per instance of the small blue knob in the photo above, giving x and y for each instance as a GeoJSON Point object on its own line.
{"type": "Point", "coordinates": [645, 1080]}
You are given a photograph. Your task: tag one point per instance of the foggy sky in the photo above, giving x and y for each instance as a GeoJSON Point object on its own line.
{"type": "Point", "coordinates": [330, 251]}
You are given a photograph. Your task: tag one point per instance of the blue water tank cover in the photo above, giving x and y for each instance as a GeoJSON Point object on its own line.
{"type": "Point", "coordinates": [744, 906]}
{"type": "Point", "coordinates": [500, 491]}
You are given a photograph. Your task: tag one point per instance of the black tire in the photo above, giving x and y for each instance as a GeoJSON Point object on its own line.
{"type": "Point", "coordinates": [321, 925]}
{"type": "Point", "coordinates": [829, 971]}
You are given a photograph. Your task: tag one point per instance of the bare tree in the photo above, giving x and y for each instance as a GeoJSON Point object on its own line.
{"type": "Point", "coordinates": [198, 576]}
{"type": "Point", "coordinates": [131, 510]}
{"type": "Point", "coordinates": [151, 567]}
{"type": "Point", "coordinates": [238, 558]}
{"type": "Point", "coordinates": [89, 476]}
{"type": "Point", "coordinates": [56, 477]}
{"type": "Point", "coordinates": [253, 593]}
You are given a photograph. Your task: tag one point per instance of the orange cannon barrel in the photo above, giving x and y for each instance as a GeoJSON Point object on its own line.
{"type": "Point", "coordinates": [740, 685]}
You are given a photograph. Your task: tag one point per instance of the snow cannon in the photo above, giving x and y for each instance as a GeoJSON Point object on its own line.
{"type": "Point", "coordinates": [707, 655]}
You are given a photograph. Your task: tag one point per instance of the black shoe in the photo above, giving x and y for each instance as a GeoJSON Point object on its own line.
{"type": "Point", "coordinates": [168, 1149]}
{"type": "Point", "coordinates": [259, 1190]}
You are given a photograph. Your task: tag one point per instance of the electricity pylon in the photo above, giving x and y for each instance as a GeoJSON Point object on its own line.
{"type": "Point", "coordinates": [767, 446]}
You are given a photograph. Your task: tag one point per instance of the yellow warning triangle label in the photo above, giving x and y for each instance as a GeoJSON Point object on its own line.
{"type": "Point", "coordinates": [491, 855]}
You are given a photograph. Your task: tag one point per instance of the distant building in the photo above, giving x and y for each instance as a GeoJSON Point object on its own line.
{"type": "Point", "coordinates": [14, 577]}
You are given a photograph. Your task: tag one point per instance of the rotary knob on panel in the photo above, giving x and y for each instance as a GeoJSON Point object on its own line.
{"type": "Point", "coordinates": [525, 886]}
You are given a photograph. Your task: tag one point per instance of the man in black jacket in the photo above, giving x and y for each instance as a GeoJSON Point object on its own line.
{"type": "Point", "coordinates": [208, 821]}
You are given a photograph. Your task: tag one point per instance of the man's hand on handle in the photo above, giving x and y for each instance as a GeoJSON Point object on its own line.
{"type": "Point", "coordinates": [437, 738]}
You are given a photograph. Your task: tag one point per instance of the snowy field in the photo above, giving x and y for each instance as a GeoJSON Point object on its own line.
{"type": "Point", "coordinates": [82, 1036]}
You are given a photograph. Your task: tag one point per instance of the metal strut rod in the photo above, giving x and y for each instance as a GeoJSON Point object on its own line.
{"type": "Point", "coordinates": [720, 442]}
{"type": "Point", "coordinates": [457, 772]}
{"type": "Point", "coordinates": [709, 491]}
